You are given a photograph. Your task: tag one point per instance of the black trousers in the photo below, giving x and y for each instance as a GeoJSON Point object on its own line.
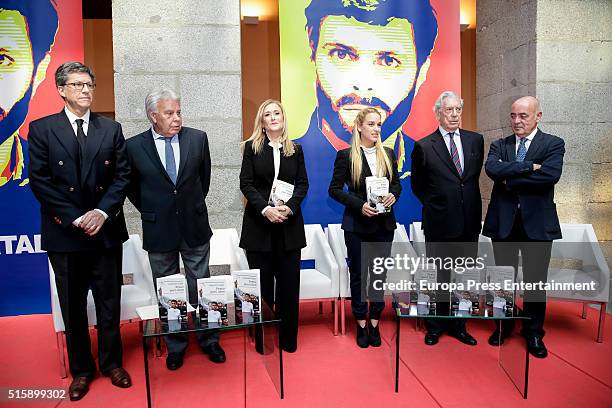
{"type": "Point", "coordinates": [195, 260]}
{"type": "Point", "coordinates": [362, 277]}
{"type": "Point", "coordinates": [465, 245]}
{"type": "Point", "coordinates": [282, 266]}
{"type": "Point", "coordinates": [75, 274]}
{"type": "Point", "coordinates": [535, 260]}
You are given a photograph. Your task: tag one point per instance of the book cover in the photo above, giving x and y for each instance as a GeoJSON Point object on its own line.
{"type": "Point", "coordinates": [498, 300]}
{"type": "Point", "coordinates": [247, 293]}
{"type": "Point", "coordinates": [281, 193]}
{"type": "Point", "coordinates": [377, 188]}
{"type": "Point", "coordinates": [425, 295]}
{"type": "Point", "coordinates": [465, 301]}
{"type": "Point", "coordinates": [212, 302]}
{"type": "Point", "coordinates": [172, 297]}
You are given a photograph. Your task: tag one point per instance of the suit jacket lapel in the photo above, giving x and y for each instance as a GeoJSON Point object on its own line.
{"type": "Point", "coordinates": [365, 167]}
{"type": "Point", "coordinates": [511, 148]}
{"type": "Point", "coordinates": [184, 144]}
{"type": "Point", "coordinates": [95, 135]}
{"type": "Point", "coordinates": [64, 133]}
{"type": "Point", "coordinates": [466, 146]}
{"type": "Point", "coordinates": [148, 145]}
{"type": "Point", "coordinates": [439, 146]}
{"type": "Point", "coordinates": [534, 146]}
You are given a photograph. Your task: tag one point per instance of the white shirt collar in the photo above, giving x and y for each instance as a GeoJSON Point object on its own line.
{"type": "Point", "coordinates": [369, 150]}
{"type": "Point", "coordinates": [444, 132]}
{"type": "Point", "coordinates": [273, 145]}
{"type": "Point", "coordinates": [529, 137]}
{"type": "Point", "coordinates": [72, 117]}
{"type": "Point", "coordinates": [157, 135]}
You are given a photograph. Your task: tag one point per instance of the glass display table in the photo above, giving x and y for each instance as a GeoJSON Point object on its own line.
{"type": "Point", "coordinates": [513, 353]}
{"type": "Point", "coordinates": [262, 328]}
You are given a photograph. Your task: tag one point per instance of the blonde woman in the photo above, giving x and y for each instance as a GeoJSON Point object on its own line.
{"type": "Point", "coordinates": [362, 223]}
{"type": "Point", "coordinates": [273, 236]}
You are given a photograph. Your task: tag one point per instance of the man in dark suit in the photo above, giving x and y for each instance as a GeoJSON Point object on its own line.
{"type": "Point", "coordinates": [445, 170]}
{"type": "Point", "coordinates": [79, 173]}
{"type": "Point", "coordinates": [522, 215]}
{"type": "Point", "coordinates": [170, 180]}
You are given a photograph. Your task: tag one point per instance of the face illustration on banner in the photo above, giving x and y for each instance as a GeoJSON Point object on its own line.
{"type": "Point", "coordinates": [27, 32]}
{"type": "Point", "coordinates": [361, 65]}
{"type": "Point", "coordinates": [368, 53]}
{"type": "Point", "coordinates": [16, 61]}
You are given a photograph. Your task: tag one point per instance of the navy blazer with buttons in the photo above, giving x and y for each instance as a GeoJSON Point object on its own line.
{"type": "Point", "coordinates": [171, 213]}
{"type": "Point", "coordinates": [452, 205]}
{"type": "Point", "coordinates": [516, 185]}
{"type": "Point", "coordinates": [67, 185]}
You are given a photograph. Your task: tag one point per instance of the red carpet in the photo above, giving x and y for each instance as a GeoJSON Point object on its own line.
{"type": "Point", "coordinates": [330, 371]}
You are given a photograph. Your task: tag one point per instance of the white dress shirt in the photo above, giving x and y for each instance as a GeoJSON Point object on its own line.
{"type": "Point", "coordinates": [72, 118]}
{"type": "Point", "coordinates": [160, 146]}
{"type": "Point", "coordinates": [527, 142]}
{"type": "Point", "coordinates": [370, 155]}
{"type": "Point", "coordinates": [457, 139]}
{"type": "Point", "coordinates": [276, 146]}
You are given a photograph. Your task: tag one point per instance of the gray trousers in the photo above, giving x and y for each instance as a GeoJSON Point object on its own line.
{"type": "Point", "coordinates": [195, 261]}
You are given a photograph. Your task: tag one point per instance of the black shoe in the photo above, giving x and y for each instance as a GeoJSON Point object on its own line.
{"type": "Point", "coordinates": [431, 338]}
{"type": "Point", "coordinates": [464, 337]}
{"type": "Point", "coordinates": [374, 335]}
{"type": "Point", "coordinates": [174, 361]}
{"type": "Point", "coordinates": [536, 347]}
{"type": "Point", "coordinates": [362, 336]}
{"type": "Point", "coordinates": [496, 340]}
{"type": "Point", "coordinates": [215, 353]}
{"type": "Point", "coordinates": [79, 387]}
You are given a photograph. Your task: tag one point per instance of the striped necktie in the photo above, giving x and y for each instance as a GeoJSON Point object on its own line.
{"type": "Point", "coordinates": [522, 150]}
{"type": "Point", "coordinates": [455, 153]}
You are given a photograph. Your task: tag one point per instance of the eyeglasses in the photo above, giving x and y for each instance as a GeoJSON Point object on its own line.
{"type": "Point", "coordinates": [80, 85]}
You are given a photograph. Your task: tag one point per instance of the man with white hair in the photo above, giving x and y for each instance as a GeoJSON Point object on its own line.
{"type": "Point", "coordinates": [170, 180]}
{"type": "Point", "coordinates": [445, 170]}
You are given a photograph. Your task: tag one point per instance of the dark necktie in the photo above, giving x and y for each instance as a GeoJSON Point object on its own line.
{"type": "Point", "coordinates": [81, 134]}
{"type": "Point", "coordinates": [522, 150]}
{"type": "Point", "coordinates": [170, 163]}
{"type": "Point", "coordinates": [455, 153]}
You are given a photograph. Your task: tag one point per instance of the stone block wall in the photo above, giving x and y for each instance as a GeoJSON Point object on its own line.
{"type": "Point", "coordinates": [193, 47]}
{"type": "Point", "coordinates": [561, 52]}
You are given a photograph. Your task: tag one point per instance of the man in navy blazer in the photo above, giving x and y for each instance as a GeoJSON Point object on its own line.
{"type": "Point", "coordinates": [522, 215]}
{"type": "Point", "coordinates": [170, 180]}
{"type": "Point", "coordinates": [79, 173]}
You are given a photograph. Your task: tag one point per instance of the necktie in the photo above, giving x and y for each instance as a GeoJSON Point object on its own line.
{"type": "Point", "coordinates": [522, 150]}
{"type": "Point", "coordinates": [82, 139]}
{"type": "Point", "coordinates": [455, 153]}
{"type": "Point", "coordinates": [170, 163]}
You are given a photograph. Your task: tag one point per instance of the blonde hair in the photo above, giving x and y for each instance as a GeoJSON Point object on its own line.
{"type": "Point", "coordinates": [259, 134]}
{"type": "Point", "coordinates": [384, 165]}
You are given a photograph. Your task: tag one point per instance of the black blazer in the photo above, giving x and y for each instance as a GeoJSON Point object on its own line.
{"type": "Point", "coordinates": [256, 178]}
{"type": "Point", "coordinates": [516, 183]}
{"type": "Point", "coordinates": [66, 190]}
{"type": "Point", "coordinates": [452, 205]}
{"type": "Point", "coordinates": [171, 212]}
{"type": "Point", "coordinates": [353, 220]}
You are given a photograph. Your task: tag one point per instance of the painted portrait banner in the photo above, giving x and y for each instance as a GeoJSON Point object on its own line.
{"type": "Point", "coordinates": [340, 56]}
{"type": "Point", "coordinates": [36, 36]}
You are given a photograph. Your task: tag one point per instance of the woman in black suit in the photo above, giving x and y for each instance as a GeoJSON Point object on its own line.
{"type": "Point", "coordinates": [273, 236]}
{"type": "Point", "coordinates": [361, 222]}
